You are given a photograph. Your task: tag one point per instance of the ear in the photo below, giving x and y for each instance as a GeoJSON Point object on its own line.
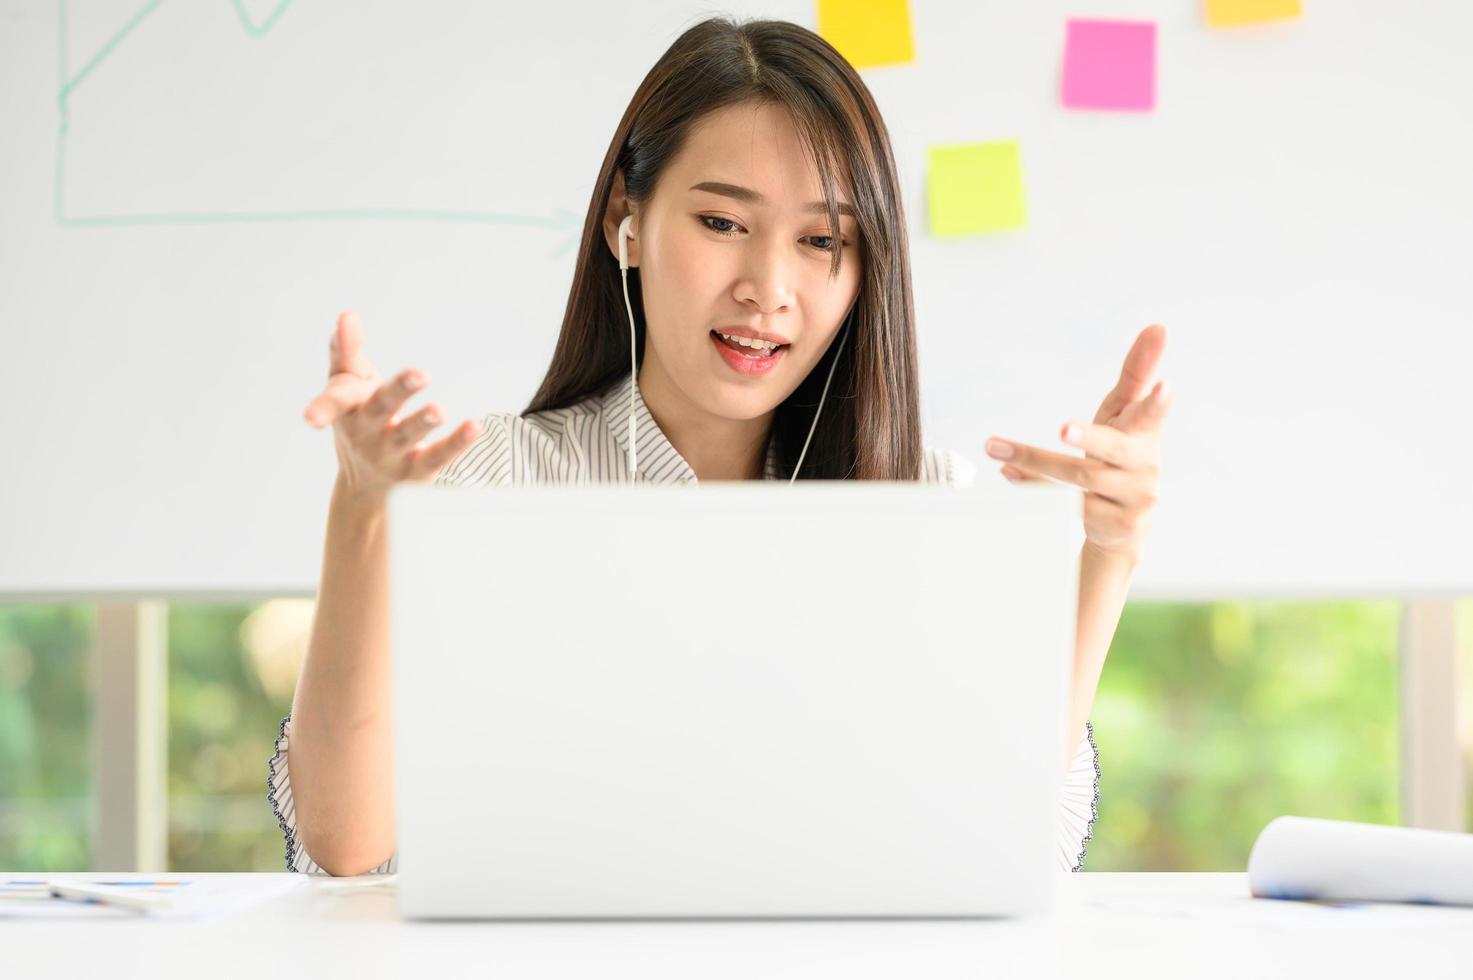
{"type": "Point", "coordinates": [614, 214]}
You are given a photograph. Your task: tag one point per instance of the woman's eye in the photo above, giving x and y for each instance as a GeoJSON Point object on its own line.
{"type": "Point", "coordinates": [825, 243]}
{"type": "Point", "coordinates": [722, 226]}
{"type": "Point", "coordinates": [728, 227]}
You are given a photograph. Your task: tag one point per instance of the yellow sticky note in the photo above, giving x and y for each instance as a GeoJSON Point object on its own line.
{"type": "Point", "coordinates": [973, 188]}
{"type": "Point", "coordinates": [868, 32]}
{"type": "Point", "coordinates": [1230, 13]}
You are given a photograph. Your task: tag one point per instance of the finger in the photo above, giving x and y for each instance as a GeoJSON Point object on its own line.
{"type": "Point", "coordinates": [387, 399]}
{"type": "Point", "coordinates": [1022, 475]}
{"type": "Point", "coordinates": [344, 392]}
{"type": "Point", "coordinates": [428, 461]}
{"type": "Point", "coordinates": [1147, 414]}
{"type": "Point", "coordinates": [412, 428]}
{"type": "Point", "coordinates": [1016, 475]}
{"type": "Point", "coordinates": [1087, 474]}
{"type": "Point", "coordinates": [1135, 490]}
{"type": "Point", "coordinates": [345, 349]}
{"type": "Point", "coordinates": [1038, 461]}
{"type": "Point", "coordinates": [1135, 374]}
{"type": "Point", "coordinates": [1127, 450]}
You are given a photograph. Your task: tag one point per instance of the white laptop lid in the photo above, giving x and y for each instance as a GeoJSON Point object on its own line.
{"type": "Point", "coordinates": [739, 699]}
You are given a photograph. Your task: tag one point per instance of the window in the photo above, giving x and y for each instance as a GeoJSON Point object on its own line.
{"type": "Point", "coordinates": [232, 669]}
{"type": "Point", "coordinates": [1211, 720]}
{"type": "Point", "coordinates": [1214, 718]}
{"type": "Point", "coordinates": [46, 737]}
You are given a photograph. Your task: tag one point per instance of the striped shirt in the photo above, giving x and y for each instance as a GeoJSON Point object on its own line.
{"type": "Point", "coordinates": [588, 442]}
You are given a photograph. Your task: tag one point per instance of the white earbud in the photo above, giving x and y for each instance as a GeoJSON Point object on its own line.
{"type": "Point", "coordinates": [626, 233]}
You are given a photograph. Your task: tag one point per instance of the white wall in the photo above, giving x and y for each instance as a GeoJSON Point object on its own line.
{"type": "Point", "coordinates": [1297, 212]}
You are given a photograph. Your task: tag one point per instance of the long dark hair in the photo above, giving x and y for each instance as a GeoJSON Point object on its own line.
{"type": "Point", "coordinates": [870, 425]}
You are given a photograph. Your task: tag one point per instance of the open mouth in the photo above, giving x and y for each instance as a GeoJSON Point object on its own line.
{"type": "Point", "coordinates": [756, 350]}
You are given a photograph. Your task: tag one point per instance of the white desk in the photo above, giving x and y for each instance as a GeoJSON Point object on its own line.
{"type": "Point", "coordinates": [1104, 926]}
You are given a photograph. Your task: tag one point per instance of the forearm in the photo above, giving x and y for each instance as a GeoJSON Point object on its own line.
{"type": "Point", "coordinates": [341, 742]}
{"type": "Point", "coordinates": [1104, 581]}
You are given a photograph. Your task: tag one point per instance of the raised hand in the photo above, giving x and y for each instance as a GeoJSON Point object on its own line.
{"type": "Point", "coordinates": [1121, 466]}
{"type": "Point", "coordinates": [374, 449]}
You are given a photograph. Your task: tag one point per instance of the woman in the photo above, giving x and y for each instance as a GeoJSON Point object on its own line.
{"type": "Point", "coordinates": [752, 184]}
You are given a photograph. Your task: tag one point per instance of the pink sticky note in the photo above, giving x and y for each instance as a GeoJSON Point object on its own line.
{"type": "Point", "coordinates": [1110, 64]}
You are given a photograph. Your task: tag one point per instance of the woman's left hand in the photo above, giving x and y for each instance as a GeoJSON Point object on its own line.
{"type": "Point", "coordinates": [1121, 466]}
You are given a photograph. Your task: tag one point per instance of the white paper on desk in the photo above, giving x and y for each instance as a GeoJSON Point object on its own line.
{"type": "Point", "coordinates": [25, 896]}
{"type": "Point", "coordinates": [1337, 860]}
{"type": "Point", "coordinates": [1287, 916]}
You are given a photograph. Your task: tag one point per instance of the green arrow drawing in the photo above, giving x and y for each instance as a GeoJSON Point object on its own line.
{"type": "Point", "coordinates": [560, 220]}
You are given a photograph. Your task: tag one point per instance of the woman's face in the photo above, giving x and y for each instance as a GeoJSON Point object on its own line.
{"type": "Point", "coordinates": [735, 240]}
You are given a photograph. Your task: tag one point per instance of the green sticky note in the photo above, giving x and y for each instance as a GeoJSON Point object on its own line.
{"type": "Point", "coordinates": [974, 188]}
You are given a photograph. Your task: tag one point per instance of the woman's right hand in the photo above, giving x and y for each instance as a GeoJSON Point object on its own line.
{"type": "Point", "coordinates": [374, 450]}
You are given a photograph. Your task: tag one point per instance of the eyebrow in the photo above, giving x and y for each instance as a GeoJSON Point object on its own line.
{"type": "Point", "coordinates": [748, 196]}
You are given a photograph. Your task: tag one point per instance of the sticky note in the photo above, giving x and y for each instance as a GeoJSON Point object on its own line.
{"type": "Point", "coordinates": [868, 32]}
{"type": "Point", "coordinates": [974, 188]}
{"type": "Point", "coordinates": [1110, 64]}
{"type": "Point", "coordinates": [1230, 13]}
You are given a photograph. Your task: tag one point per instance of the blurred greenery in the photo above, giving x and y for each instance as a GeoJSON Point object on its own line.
{"type": "Point", "coordinates": [1211, 719]}
{"type": "Point", "coordinates": [222, 723]}
{"type": "Point", "coordinates": [46, 687]}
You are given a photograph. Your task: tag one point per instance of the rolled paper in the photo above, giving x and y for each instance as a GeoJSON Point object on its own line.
{"type": "Point", "coordinates": [1309, 858]}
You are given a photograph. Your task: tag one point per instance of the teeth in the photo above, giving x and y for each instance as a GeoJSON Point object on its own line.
{"type": "Point", "coordinates": [749, 342]}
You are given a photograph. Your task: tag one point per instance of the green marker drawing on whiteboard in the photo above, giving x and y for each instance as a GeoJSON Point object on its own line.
{"type": "Point", "coordinates": [560, 220]}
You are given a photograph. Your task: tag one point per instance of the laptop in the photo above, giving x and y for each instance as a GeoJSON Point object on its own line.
{"type": "Point", "coordinates": [737, 700]}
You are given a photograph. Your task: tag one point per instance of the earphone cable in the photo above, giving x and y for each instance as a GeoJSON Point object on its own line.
{"type": "Point", "coordinates": [814, 424]}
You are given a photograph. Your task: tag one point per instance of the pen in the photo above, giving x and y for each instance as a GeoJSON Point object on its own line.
{"type": "Point", "coordinates": [109, 895]}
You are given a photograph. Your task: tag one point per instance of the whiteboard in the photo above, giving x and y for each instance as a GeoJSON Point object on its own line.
{"type": "Point", "coordinates": [191, 191]}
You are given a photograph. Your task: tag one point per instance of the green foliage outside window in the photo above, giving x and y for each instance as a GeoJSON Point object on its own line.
{"type": "Point", "coordinates": [1214, 718]}
{"type": "Point", "coordinates": [223, 720]}
{"type": "Point", "coordinates": [1211, 719]}
{"type": "Point", "coordinates": [46, 737]}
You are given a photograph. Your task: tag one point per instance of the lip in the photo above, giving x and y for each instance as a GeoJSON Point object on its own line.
{"type": "Point", "coordinates": [751, 334]}
{"type": "Point", "coordinates": [741, 363]}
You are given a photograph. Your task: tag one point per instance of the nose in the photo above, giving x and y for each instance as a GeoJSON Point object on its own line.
{"type": "Point", "coordinates": [767, 277]}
